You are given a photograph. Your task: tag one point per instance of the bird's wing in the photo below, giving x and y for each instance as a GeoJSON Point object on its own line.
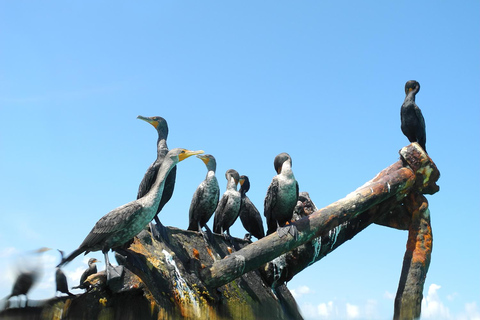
{"type": "Point", "coordinates": [192, 212]}
{"type": "Point", "coordinates": [296, 184]}
{"type": "Point", "coordinates": [148, 180]}
{"type": "Point", "coordinates": [269, 205]}
{"type": "Point", "coordinates": [218, 219]}
{"type": "Point", "coordinates": [421, 135]}
{"type": "Point", "coordinates": [256, 225]}
{"type": "Point", "coordinates": [111, 222]}
{"type": "Point", "coordinates": [168, 188]}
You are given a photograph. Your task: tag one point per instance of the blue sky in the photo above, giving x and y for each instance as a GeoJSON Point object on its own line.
{"type": "Point", "coordinates": [244, 81]}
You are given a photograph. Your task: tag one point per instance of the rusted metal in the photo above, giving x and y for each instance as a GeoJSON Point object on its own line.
{"type": "Point", "coordinates": [416, 261]}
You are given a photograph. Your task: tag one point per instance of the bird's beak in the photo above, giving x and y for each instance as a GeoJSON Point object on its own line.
{"type": "Point", "coordinates": [205, 159]}
{"type": "Point", "coordinates": [95, 261]}
{"type": "Point", "coordinates": [188, 153]}
{"type": "Point", "coordinates": [149, 120]}
{"type": "Point", "coordinates": [43, 249]}
{"type": "Point", "coordinates": [242, 181]}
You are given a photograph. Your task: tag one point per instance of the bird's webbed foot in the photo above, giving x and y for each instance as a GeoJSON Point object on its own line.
{"type": "Point", "coordinates": [159, 231]}
{"type": "Point", "coordinates": [114, 273]}
{"type": "Point", "coordinates": [248, 237]}
{"type": "Point", "coordinates": [288, 229]}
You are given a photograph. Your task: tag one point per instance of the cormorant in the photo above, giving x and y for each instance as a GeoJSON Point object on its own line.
{"type": "Point", "coordinates": [123, 223]}
{"type": "Point", "coordinates": [205, 198]}
{"type": "Point", "coordinates": [282, 195]}
{"type": "Point", "coordinates": [61, 279]}
{"type": "Point", "coordinates": [92, 269]}
{"type": "Point", "coordinates": [146, 184]}
{"type": "Point", "coordinates": [27, 277]}
{"type": "Point", "coordinates": [413, 123]}
{"type": "Point", "coordinates": [229, 206]}
{"type": "Point", "coordinates": [249, 215]}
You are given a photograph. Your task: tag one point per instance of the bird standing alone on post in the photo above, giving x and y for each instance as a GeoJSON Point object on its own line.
{"type": "Point", "coordinates": [413, 123]}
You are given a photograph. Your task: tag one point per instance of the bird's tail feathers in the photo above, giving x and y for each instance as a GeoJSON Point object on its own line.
{"type": "Point", "coordinates": [70, 257]}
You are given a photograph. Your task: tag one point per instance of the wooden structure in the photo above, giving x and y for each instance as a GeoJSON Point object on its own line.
{"type": "Point", "coordinates": [191, 278]}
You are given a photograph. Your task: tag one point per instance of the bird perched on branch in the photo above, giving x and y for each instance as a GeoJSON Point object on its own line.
{"type": "Point", "coordinates": [413, 123]}
{"type": "Point", "coordinates": [61, 279]}
{"type": "Point", "coordinates": [120, 225]}
{"type": "Point", "coordinates": [160, 124]}
{"type": "Point", "coordinates": [29, 271]}
{"type": "Point", "coordinates": [282, 195]}
{"type": "Point", "coordinates": [249, 215]}
{"type": "Point", "coordinates": [92, 269]}
{"type": "Point", "coordinates": [205, 198]}
{"type": "Point", "coordinates": [229, 205]}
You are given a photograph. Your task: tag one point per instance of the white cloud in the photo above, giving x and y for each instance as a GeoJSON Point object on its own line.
{"type": "Point", "coordinates": [300, 291]}
{"type": "Point", "coordinates": [389, 295]}
{"type": "Point", "coordinates": [325, 310]}
{"type": "Point", "coordinates": [353, 311]}
{"type": "Point", "coordinates": [432, 307]}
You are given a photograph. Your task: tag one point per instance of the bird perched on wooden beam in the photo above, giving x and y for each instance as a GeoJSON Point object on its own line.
{"type": "Point", "coordinates": [281, 199]}
{"type": "Point", "coordinates": [120, 225]}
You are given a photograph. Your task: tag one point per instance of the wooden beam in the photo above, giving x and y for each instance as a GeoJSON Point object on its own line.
{"type": "Point", "coordinates": [414, 170]}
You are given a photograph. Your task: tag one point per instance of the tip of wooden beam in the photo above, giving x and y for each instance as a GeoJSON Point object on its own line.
{"type": "Point", "coordinates": [423, 166]}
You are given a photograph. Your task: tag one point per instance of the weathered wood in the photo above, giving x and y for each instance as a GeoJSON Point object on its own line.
{"type": "Point", "coordinates": [395, 181]}
{"type": "Point", "coordinates": [416, 169]}
{"type": "Point", "coordinates": [187, 277]}
{"type": "Point", "coordinates": [416, 261]}
{"type": "Point", "coordinates": [293, 262]}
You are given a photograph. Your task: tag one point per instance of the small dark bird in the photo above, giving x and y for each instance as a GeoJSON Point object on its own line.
{"type": "Point", "coordinates": [281, 199]}
{"type": "Point", "coordinates": [61, 280]}
{"type": "Point", "coordinates": [229, 206]}
{"type": "Point", "coordinates": [249, 215]}
{"type": "Point", "coordinates": [160, 124]}
{"type": "Point", "coordinates": [29, 274]}
{"type": "Point", "coordinates": [205, 198]}
{"type": "Point", "coordinates": [92, 269]}
{"type": "Point", "coordinates": [120, 225]}
{"type": "Point", "coordinates": [413, 123]}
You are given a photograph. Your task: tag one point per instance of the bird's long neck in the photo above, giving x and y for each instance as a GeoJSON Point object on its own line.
{"type": "Point", "coordinates": [410, 97]}
{"type": "Point", "coordinates": [287, 169]}
{"type": "Point", "coordinates": [162, 148]}
{"type": "Point", "coordinates": [210, 174]}
{"type": "Point", "coordinates": [154, 195]}
{"type": "Point", "coordinates": [231, 185]}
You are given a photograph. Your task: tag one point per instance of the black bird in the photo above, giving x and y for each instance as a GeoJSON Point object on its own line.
{"type": "Point", "coordinates": [61, 280]}
{"type": "Point", "coordinates": [282, 195]}
{"type": "Point", "coordinates": [27, 277]}
{"type": "Point", "coordinates": [120, 225]}
{"type": "Point", "coordinates": [148, 180]}
{"type": "Point", "coordinates": [92, 269]}
{"type": "Point", "coordinates": [249, 215]}
{"type": "Point", "coordinates": [229, 206]}
{"type": "Point", "coordinates": [205, 198]}
{"type": "Point", "coordinates": [413, 123]}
